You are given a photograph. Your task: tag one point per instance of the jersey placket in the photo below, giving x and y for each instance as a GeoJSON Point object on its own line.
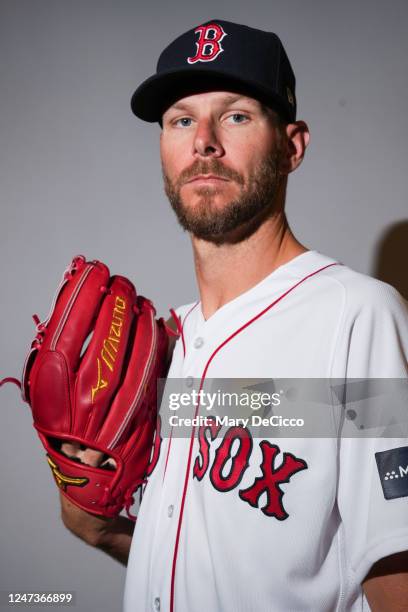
{"type": "Point", "coordinates": [171, 466]}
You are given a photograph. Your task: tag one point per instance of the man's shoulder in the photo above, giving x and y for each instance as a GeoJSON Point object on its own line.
{"type": "Point", "coordinates": [338, 284]}
{"type": "Point", "coordinates": [372, 335]}
{"type": "Point", "coordinates": [361, 291]}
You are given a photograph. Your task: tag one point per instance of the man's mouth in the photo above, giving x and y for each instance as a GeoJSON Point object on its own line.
{"type": "Point", "coordinates": [207, 178]}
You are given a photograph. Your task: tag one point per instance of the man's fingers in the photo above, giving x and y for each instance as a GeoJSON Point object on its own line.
{"type": "Point", "coordinates": [91, 457]}
{"type": "Point", "coordinates": [88, 455]}
{"type": "Point", "coordinates": [70, 449]}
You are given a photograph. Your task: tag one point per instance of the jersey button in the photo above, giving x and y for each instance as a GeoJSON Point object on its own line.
{"type": "Point", "coordinates": [189, 381]}
{"type": "Point", "coordinates": [198, 342]}
{"type": "Point", "coordinates": [170, 510]}
{"type": "Point", "coordinates": [157, 603]}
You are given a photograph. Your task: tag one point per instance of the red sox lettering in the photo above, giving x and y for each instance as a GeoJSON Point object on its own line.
{"type": "Point", "coordinates": [202, 460]}
{"type": "Point", "coordinates": [269, 482]}
{"type": "Point", "coordinates": [239, 462]}
{"type": "Point", "coordinates": [271, 477]}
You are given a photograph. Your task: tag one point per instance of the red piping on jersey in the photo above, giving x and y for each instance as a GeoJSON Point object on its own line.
{"type": "Point", "coordinates": [180, 326]}
{"type": "Point", "coordinates": [168, 453]}
{"type": "Point", "coordinates": [188, 313]}
{"type": "Point", "coordinates": [186, 478]}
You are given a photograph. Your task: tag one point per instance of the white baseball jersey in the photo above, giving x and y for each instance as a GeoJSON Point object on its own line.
{"type": "Point", "coordinates": [298, 525]}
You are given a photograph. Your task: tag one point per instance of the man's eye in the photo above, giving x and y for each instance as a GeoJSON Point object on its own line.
{"type": "Point", "coordinates": [183, 122]}
{"type": "Point", "coordinates": [238, 118]}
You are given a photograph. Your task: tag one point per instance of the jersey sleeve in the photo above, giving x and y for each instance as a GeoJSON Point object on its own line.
{"type": "Point", "coordinates": [373, 471]}
{"type": "Point", "coordinates": [373, 525]}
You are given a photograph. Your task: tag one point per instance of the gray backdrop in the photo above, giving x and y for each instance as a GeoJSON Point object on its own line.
{"type": "Point", "coordinates": [79, 174]}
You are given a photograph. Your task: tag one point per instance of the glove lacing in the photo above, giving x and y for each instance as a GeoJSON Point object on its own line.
{"type": "Point", "coordinates": [128, 499]}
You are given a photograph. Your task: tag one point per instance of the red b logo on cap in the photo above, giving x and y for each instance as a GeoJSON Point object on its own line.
{"type": "Point", "coordinates": [208, 44]}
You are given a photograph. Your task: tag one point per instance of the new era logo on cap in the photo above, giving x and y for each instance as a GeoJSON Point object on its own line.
{"type": "Point", "coordinates": [208, 44]}
{"type": "Point", "coordinates": [393, 470]}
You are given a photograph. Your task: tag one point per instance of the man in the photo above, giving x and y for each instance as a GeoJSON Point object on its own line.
{"type": "Point", "coordinates": [265, 524]}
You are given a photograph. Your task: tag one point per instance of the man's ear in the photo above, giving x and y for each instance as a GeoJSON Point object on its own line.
{"type": "Point", "coordinates": [294, 147]}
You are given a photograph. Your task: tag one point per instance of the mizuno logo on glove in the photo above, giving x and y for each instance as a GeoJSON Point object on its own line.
{"type": "Point", "coordinates": [110, 345]}
{"type": "Point", "coordinates": [63, 480]}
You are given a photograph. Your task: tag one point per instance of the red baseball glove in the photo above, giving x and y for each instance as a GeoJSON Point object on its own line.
{"type": "Point", "coordinates": [90, 379]}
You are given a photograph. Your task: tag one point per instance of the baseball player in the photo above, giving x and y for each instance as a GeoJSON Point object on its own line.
{"type": "Point", "coordinates": [230, 521]}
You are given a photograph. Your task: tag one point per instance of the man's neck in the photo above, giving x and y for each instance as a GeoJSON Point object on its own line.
{"type": "Point", "coordinates": [225, 271]}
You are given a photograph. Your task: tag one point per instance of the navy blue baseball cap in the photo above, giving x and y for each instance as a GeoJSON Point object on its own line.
{"type": "Point", "coordinates": [220, 55]}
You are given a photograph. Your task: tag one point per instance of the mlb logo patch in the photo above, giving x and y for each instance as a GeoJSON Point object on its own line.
{"type": "Point", "coordinates": [393, 470]}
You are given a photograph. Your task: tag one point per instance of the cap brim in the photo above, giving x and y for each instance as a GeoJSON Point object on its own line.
{"type": "Point", "coordinates": [159, 92]}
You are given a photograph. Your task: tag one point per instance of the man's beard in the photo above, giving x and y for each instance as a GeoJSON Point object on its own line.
{"type": "Point", "coordinates": [238, 219]}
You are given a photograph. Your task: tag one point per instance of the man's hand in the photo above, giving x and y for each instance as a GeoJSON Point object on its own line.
{"type": "Point", "coordinates": [112, 535]}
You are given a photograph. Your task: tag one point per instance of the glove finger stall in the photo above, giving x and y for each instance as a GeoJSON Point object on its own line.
{"type": "Point", "coordinates": [101, 368]}
{"type": "Point", "coordinates": [138, 379]}
{"type": "Point", "coordinates": [52, 376]}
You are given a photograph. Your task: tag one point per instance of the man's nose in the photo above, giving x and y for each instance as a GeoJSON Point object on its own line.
{"type": "Point", "coordinates": [206, 140]}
